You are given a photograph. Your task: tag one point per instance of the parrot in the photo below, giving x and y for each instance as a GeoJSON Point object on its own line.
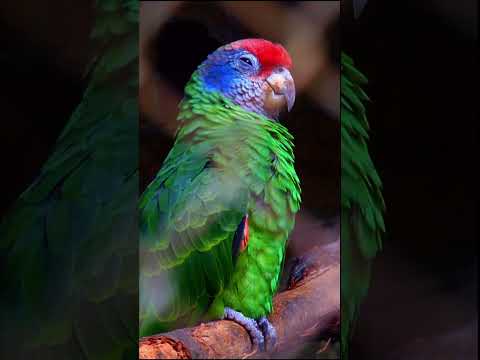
{"type": "Point", "coordinates": [362, 203]}
{"type": "Point", "coordinates": [69, 241]}
{"type": "Point", "coordinates": [215, 221]}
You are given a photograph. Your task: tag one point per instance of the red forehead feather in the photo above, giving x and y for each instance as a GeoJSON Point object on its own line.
{"type": "Point", "coordinates": [268, 53]}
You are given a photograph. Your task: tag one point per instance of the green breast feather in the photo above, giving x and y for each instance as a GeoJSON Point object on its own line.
{"type": "Point", "coordinates": [226, 163]}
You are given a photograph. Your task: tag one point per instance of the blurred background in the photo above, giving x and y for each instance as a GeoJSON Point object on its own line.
{"type": "Point", "coordinates": [175, 37]}
{"type": "Point", "coordinates": [45, 48]}
{"type": "Point", "coordinates": [421, 63]}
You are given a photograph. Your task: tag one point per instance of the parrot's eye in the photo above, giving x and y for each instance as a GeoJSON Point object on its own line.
{"type": "Point", "coordinates": [246, 60]}
{"type": "Point", "coordinates": [247, 64]}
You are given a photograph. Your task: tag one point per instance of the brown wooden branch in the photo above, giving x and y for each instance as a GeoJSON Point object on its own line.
{"type": "Point", "coordinates": [311, 307]}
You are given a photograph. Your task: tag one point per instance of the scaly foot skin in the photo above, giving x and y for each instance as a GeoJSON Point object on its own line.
{"type": "Point", "coordinates": [262, 332]}
{"type": "Point", "coordinates": [269, 332]}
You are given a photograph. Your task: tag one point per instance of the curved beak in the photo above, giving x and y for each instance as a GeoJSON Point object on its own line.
{"type": "Point", "coordinates": [282, 91]}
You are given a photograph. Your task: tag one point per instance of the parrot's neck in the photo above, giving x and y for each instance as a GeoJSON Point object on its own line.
{"type": "Point", "coordinates": [210, 116]}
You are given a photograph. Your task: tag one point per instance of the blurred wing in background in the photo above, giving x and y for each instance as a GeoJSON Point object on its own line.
{"type": "Point", "coordinates": [68, 246]}
{"type": "Point", "coordinates": [361, 198]}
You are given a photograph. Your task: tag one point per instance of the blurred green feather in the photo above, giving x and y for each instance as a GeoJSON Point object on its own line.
{"type": "Point", "coordinates": [69, 243]}
{"type": "Point", "coordinates": [362, 202]}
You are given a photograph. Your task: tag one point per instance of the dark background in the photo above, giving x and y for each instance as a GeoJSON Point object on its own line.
{"type": "Point", "coordinates": [45, 48]}
{"type": "Point", "coordinates": [420, 61]}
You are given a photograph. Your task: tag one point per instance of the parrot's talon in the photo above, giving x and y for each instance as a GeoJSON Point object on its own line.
{"type": "Point", "coordinates": [269, 332]}
{"type": "Point", "coordinates": [249, 324]}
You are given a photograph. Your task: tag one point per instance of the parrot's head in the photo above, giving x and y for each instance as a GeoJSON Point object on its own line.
{"type": "Point", "coordinates": [254, 74]}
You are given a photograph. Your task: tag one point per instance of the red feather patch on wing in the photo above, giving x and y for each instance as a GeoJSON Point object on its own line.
{"type": "Point", "coordinates": [246, 236]}
{"type": "Point", "coordinates": [269, 54]}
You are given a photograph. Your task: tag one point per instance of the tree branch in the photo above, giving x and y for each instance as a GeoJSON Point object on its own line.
{"type": "Point", "coordinates": [308, 309]}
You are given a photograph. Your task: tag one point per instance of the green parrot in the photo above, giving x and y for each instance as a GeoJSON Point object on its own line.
{"type": "Point", "coordinates": [70, 240]}
{"type": "Point", "coordinates": [362, 204]}
{"type": "Point", "coordinates": [215, 221]}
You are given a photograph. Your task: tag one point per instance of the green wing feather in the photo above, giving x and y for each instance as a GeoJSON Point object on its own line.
{"type": "Point", "coordinates": [188, 217]}
{"type": "Point", "coordinates": [361, 199]}
{"type": "Point", "coordinates": [68, 243]}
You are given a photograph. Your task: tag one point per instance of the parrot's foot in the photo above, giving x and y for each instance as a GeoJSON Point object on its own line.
{"type": "Point", "coordinates": [269, 332]}
{"type": "Point", "coordinates": [249, 324]}
{"type": "Point", "coordinates": [258, 331]}
{"type": "Point", "coordinates": [299, 270]}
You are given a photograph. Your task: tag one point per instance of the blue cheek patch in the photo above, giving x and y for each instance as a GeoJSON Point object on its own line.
{"type": "Point", "coordinates": [219, 75]}
{"type": "Point", "coordinates": [219, 78]}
